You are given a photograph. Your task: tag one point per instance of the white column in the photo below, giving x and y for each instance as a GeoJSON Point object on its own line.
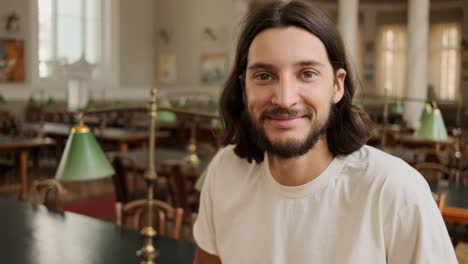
{"type": "Point", "coordinates": [416, 74]}
{"type": "Point", "coordinates": [348, 12]}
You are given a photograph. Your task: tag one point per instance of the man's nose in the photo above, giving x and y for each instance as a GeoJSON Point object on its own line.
{"type": "Point", "coordinates": [286, 93]}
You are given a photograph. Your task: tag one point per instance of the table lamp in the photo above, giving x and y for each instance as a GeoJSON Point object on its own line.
{"type": "Point", "coordinates": [148, 252]}
{"type": "Point", "coordinates": [2, 99]}
{"type": "Point", "coordinates": [396, 108]}
{"type": "Point", "coordinates": [427, 110]}
{"type": "Point", "coordinates": [83, 159]}
{"type": "Point", "coordinates": [432, 126]}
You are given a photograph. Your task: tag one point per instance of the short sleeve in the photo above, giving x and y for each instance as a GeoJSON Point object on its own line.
{"type": "Point", "coordinates": [417, 233]}
{"type": "Point", "coordinates": [203, 229]}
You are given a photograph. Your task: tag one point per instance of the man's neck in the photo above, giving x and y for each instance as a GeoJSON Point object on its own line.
{"type": "Point", "coordinates": [302, 169]}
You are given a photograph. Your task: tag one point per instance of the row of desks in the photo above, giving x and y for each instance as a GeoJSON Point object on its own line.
{"type": "Point", "coordinates": [457, 194]}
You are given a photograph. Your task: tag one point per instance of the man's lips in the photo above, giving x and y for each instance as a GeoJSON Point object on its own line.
{"type": "Point", "coordinates": [284, 121]}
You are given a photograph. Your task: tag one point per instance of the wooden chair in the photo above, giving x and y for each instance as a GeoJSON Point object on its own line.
{"type": "Point", "coordinates": [49, 193]}
{"type": "Point", "coordinates": [165, 217]}
{"type": "Point", "coordinates": [129, 181]}
{"type": "Point", "coordinates": [433, 172]}
{"type": "Point", "coordinates": [181, 177]}
{"type": "Point", "coordinates": [440, 200]}
{"type": "Point", "coordinates": [464, 176]}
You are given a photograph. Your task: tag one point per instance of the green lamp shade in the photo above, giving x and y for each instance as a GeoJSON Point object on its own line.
{"type": "Point", "coordinates": [358, 104]}
{"type": "Point", "coordinates": [216, 123]}
{"type": "Point", "coordinates": [166, 116]}
{"type": "Point", "coordinates": [118, 104]}
{"type": "Point", "coordinates": [82, 158]}
{"type": "Point", "coordinates": [31, 102]}
{"type": "Point", "coordinates": [182, 101]}
{"type": "Point", "coordinates": [427, 111]}
{"type": "Point", "coordinates": [396, 108]}
{"type": "Point", "coordinates": [51, 102]}
{"type": "Point", "coordinates": [433, 127]}
{"type": "Point", "coordinates": [2, 100]}
{"type": "Point", "coordinates": [91, 104]}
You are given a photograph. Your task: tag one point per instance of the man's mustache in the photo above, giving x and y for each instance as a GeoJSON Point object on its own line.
{"type": "Point", "coordinates": [290, 112]}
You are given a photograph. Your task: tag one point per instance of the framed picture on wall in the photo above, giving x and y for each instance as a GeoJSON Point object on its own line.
{"type": "Point", "coordinates": [167, 69]}
{"type": "Point", "coordinates": [11, 61]}
{"type": "Point", "coordinates": [213, 68]}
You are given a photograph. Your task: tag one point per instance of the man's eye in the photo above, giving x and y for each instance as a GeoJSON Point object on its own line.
{"type": "Point", "coordinates": [309, 74]}
{"type": "Point", "coordinates": [263, 77]}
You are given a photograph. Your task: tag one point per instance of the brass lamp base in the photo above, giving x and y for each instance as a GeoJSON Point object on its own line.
{"type": "Point", "coordinates": [192, 157]}
{"type": "Point", "coordinates": [148, 253]}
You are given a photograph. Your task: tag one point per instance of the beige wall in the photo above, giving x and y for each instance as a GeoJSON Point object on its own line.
{"type": "Point", "coordinates": [185, 20]}
{"type": "Point", "coordinates": [137, 43]}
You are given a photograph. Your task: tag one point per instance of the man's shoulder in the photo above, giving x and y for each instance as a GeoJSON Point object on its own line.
{"type": "Point", "coordinates": [385, 170]}
{"type": "Point", "coordinates": [226, 156]}
{"type": "Point", "coordinates": [226, 163]}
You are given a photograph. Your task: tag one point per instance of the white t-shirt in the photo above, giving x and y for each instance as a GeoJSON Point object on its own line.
{"type": "Point", "coordinates": [365, 208]}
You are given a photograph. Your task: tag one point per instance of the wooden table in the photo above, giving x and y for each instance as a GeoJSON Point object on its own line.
{"type": "Point", "coordinates": [22, 146]}
{"type": "Point", "coordinates": [160, 156]}
{"type": "Point", "coordinates": [32, 234]}
{"type": "Point", "coordinates": [412, 156]}
{"type": "Point", "coordinates": [121, 136]}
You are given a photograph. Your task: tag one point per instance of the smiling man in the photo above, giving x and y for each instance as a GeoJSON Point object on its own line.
{"type": "Point", "coordinates": [295, 182]}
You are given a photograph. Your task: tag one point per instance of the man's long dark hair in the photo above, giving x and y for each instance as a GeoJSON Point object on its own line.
{"type": "Point", "coordinates": [350, 127]}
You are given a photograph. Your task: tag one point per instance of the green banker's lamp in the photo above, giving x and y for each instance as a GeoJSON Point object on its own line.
{"type": "Point", "coordinates": [396, 108]}
{"type": "Point", "coordinates": [432, 125]}
{"type": "Point", "coordinates": [427, 110]}
{"type": "Point", "coordinates": [83, 159]}
{"type": "Point", "coordinates": [2, 100]}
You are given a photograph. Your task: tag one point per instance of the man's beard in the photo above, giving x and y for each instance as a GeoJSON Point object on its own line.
{"type": "Point", "coordinates": [292, 147]}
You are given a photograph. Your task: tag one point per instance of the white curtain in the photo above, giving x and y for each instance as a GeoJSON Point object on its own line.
{"type": "Point", "coordinates": [444, 60]}
{"type": "Point", "coordinates": [391, 60]}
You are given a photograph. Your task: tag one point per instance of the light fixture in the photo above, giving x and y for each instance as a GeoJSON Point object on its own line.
{"type": "Point", "coordinates": [396, 108]}
{"type": "Point", "coordinates": [12, 22]}
{"type": "Point", "coordinates": [432, 126]}
{"type": "Point", "coordinates": [2, 100]}
{"type": "Point", "coordinates": [83, 159]}
{"type": "Point", "coordinates": [148, 252]}
{"type": "Point", "coordinates": [427, 110]}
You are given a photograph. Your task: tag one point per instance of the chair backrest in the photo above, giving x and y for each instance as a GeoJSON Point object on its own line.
{"type": "Point", "coordinates": [464, 176]}
{"type": "Point", "coordinates": [182, 176]}
{"type": "Point", "coordinates": [165, 217]}
{"type": "Point", "coordinates": [49, 193]}
{"type": "Point", "coordinates": [120, 180]}
{"type": "Point", "coordinates": [440, 200]}
{"type": "Point", "coordinates": [433, 171]}
{"type": "Point", "coordinates": [123, 165]}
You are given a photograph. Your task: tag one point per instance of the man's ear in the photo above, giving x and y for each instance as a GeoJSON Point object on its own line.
{"type": "Point", "coordinates": [338, 86]}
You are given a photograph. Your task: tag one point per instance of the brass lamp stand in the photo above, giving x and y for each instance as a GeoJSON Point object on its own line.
{"type": "Point", "coordinates": [192, 157]}
{"type": "Point", "coordinates": [148, 252]}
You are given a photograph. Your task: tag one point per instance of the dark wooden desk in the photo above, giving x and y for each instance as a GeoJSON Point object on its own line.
{"type": "Point", "coordinates": [22, 146]}
{"type": "Point", "coordinates": [31, 234]}
{"type": "Point", "coordinates": [121, 136]}
{"type": "Point", "coordinates": [160, 156]}
{"type": "Point", "coordinates": [412, 156]}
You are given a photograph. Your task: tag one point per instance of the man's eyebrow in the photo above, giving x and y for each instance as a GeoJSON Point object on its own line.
{"type": "Point", "coordinates": [310, 63]}
{"type": "Point", "coordinates": [260, 65]}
